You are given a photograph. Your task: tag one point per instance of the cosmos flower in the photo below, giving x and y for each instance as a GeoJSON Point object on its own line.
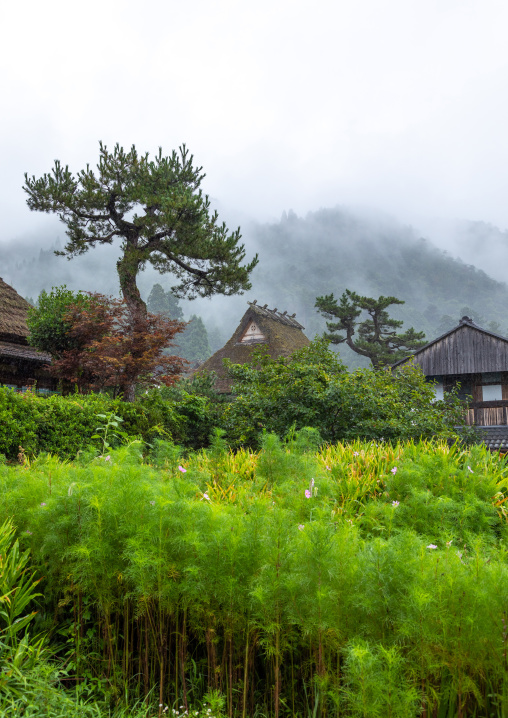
{"type": "Point", "coordinates": [394, 470]}
{"type": "Point", "coordinates": [301, 526]}
{"type": "Point", "coordinates": [307, 494]}
{"type": "Point", "coordinates": [395, 503]}
{"type": "Point", "coordinates": [432, 545]}
{"type": "Point", "coordinates": [470, 469]}
{"type": "Point", "coordinates": [180, 468]}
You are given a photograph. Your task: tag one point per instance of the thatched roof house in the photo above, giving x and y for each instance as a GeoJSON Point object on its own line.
{"type": "Point", "coordinates": [20, 364]}
{"type": "Point", "coordinates": [259, 326]}
{"type": "Point", "coordinates": [475, 360]}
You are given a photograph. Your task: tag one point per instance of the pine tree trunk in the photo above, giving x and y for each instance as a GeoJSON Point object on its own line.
{"type": "Point", "coordinates": [128, 267]}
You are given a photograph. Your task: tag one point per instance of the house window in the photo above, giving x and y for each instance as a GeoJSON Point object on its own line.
{"type": "Point", "coordinates": [438, 391]}
{"type": "Point", "coordinates": [492, 392]}
{"type": "Point", "coordinates": [252, 334]}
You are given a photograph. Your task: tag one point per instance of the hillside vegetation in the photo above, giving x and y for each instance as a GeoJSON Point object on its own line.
{"type": "Point", "coordinates": [334, 249]}
{"type": "Point", "coordinates": [304, 257]}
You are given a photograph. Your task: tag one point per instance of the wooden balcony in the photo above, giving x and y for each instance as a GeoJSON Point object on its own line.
{"type": "Point", "coordinates": [487, 413]}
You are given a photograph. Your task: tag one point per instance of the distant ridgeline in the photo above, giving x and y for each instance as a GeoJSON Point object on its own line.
{"type": "Point", "coordinates": [301, 258]}
{"type": "Point", "coordinates": [332, 250]}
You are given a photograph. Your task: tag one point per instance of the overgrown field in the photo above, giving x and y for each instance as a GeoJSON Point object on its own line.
{"type": "Point", "coordinates": [357, 580]}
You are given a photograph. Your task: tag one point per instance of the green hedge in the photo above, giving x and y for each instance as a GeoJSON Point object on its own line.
{"type": "Point", "coordinates": [64, 425]}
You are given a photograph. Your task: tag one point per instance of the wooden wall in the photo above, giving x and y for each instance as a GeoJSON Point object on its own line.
{"type": "Point", "coordinates": [464, 351]}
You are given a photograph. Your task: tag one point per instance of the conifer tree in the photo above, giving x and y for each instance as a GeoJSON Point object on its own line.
{"type": "Point", "coordinates": [193, 342]}
{"type": "Point", "coordinates": [161, 302]}
{"type": "Point", "coordinates": [377, 334]}
{"type": "Point", "coordinates": [157, 210]}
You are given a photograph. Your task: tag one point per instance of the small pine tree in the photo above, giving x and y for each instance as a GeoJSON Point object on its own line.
{"type": "Point", "coordinates": [193, 343]}
{"type": "Point", "coordinates": [165, 303]}
{"type": "Point", "coordinates": [376, 335]}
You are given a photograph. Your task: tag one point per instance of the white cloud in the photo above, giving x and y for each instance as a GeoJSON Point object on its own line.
{"type": "Point", "coordinates": [400, 104]}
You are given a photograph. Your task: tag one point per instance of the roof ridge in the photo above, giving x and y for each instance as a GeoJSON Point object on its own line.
{"type": "Point", "coordinates": [463, 322]}
{"type": "Point", "coordinates": [282, 317]}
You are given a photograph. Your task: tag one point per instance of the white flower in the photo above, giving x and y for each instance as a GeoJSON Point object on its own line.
{"type": "Point", "coordinates": [470, 469]}
{"type": "Point", "coordinates": [432, 545]}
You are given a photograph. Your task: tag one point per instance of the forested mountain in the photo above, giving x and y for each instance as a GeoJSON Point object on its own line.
{"type": "Point", "coordinates": [334, 249]}
{"type": "Point", "coordinates": [304, 257]}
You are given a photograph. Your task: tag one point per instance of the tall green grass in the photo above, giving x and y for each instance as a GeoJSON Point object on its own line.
{"type": "Point", "coordinates": [359, 580]}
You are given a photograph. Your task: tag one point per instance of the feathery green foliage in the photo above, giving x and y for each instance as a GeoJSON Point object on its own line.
{"type": "Point", "coordinates": [361, 579]}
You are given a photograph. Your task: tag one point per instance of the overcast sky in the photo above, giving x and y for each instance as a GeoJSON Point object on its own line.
{"type": "Point", "coordinates": [397, 104]}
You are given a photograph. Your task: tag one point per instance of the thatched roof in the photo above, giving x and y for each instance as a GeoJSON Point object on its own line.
{"type": "Point", "coordinates": [11, 350]}
{"type": "Point", "coordinates": [259, 326]}
{"type": "Point", "coordinates": [13, 311]}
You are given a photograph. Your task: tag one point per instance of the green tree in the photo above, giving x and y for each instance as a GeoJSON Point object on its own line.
{"type": "Point", "coordinates": [377, 334]}
{"type": "Point", "coordinates": [161, 302]}
{"type": "Point", "coordinates": [313, 388]}
{"type": "Point", "coordinates": [193, 343]}
{"type": "Point", "coordinates": [47, 323]}
{"type": "Point", "coordinates": [158, 211]}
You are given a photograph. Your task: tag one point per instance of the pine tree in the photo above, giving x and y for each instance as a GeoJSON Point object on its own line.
{"type": "Point", "coordinates": [193, 343]}
{"type": "Point", "coordinates": [377, 335]}
{"type": "Point", "coordinates": [165, 303]}
{"type": "Point", "coordinates": [158, 211]}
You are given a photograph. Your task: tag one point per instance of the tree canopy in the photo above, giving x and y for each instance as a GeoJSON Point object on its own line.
{"type": "Point", "coordinates": [161, 302]}
{"type": "Point", "coordinates": [377, 334]}
{"type": "Point", "coordinates": [312, 388]}
{"type": "Point", "coordinates": [158, 211]}
{"type": "Point", "coordinates": [96, 343]}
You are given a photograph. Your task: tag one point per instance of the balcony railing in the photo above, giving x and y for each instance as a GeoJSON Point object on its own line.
{"type": "Point", "coordinates": [487, 413]}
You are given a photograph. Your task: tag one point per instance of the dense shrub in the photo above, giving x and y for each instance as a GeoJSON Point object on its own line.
{"type": "Point", "coordinates": [65, 425]}
{"type": "Point", "coordinates": [313, 388]}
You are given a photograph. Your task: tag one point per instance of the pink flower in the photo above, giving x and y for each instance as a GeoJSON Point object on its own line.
{"type": "Point", "coordinates": [432, 545]}
{"type": "Point", "coordinates": [356, 453]}
{"type": "Point", "coordinates": [470, 469]}
{"type": "Point", "coordinates": [43, 504]}
{"type": "Point", "coordinates": [301, 526]}
{"type": "Point", "coordinates": [328, 468]}
{"type": "Point", "coordinates": [307, 494]}
{"type": "Point", "coordinates": [395, 503]}
{"type": "Point", "coordinates": [205, 496]}
{"type": "Point", "coordinates": [394, 470]}
{"type": "Point", "coordinates": [180, 468]}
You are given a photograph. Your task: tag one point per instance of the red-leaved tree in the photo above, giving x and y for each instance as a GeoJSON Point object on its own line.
{"type": "Point", "coordinates": [115, 349]}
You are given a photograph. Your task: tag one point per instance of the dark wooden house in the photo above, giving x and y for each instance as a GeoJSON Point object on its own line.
{"type": "Point", "coordinates": [21, 366]}
{"type": "Point", "coordinates": [279, 332]}
{"type": "Point", "coordinates": [476, 361]}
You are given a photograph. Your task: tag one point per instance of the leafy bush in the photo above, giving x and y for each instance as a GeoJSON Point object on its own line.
{"type": "Point", "coordinates": [313, 388]}
{"type": "Point", "coordinates": [65, 425]}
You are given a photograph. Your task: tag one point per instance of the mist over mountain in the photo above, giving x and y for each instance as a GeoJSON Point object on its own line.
{"type": "Point", "coordinates": [304, 257]}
